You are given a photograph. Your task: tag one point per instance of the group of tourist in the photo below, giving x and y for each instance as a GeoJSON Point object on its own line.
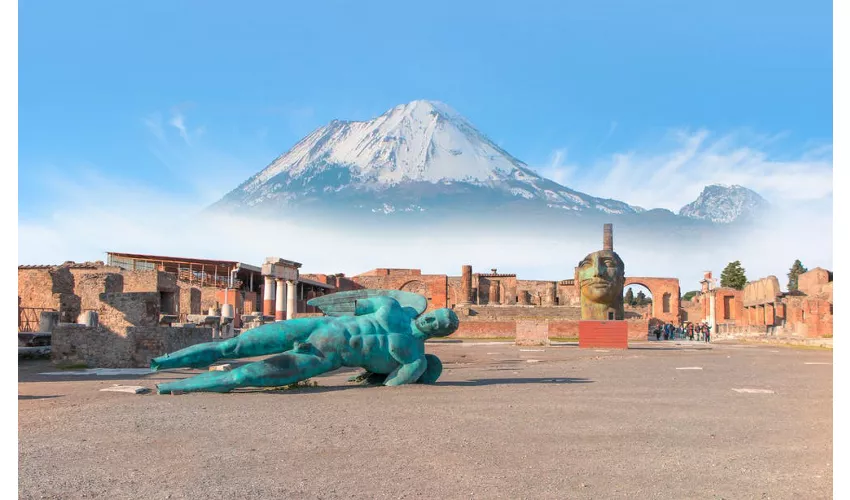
{"type": "Point", "coordinates": [687, 330]}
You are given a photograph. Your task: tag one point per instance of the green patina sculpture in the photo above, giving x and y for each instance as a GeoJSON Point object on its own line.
{"type": "Point", "coordinates": [601, 277]}
{"type": "Point", "coordinates": [381, 331]}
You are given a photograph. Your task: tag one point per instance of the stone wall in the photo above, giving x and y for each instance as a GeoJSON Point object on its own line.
{"type": "Point", "coordinates": [532, 332]}
{"type": "Point", "coordinates": [540, 293]}
{"type": "Point", "coordinates": [433, 287]}
{"type": "Point", "coordinates": [814, 281]}
{"type": "Point", "coordinates": [119, 311]}
{"type": "Point", "coordinates": [761, 291]}
{"type": "Point", "coordinates": [489, 313]}
{"type": "Point", "coordinates": [100, 347]}
{"type": "Point", "coordinates": [88, 287]}
{"type": "Point", "coordinates": [502, 329]}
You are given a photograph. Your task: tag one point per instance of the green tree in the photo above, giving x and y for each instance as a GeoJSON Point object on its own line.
{"type": "Point", "coordinates": [630, 297]}
{"type": "Point", "coordinates": [733, 276]}
{"type": "Point", "coordinates": [689, 295]}
{"type": "Point", "coordinates": [796, 270]}
{"type": "Point", "coordinates": [641, 298]}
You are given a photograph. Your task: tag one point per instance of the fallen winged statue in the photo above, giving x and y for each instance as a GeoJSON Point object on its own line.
{"type": "Point", "coordinates": [381, 331]}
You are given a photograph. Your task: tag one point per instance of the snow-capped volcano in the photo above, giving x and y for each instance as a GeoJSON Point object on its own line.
{"type": "Point", "coordinates": [416, 157]}
{"type": "Point", "coordinates": [724, 204]}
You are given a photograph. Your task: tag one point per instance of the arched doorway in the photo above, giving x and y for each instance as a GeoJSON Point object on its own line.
{"type": "Point", "coordinates": [666, 297]}
{"type": "Point", "coordinates": [637, 301]}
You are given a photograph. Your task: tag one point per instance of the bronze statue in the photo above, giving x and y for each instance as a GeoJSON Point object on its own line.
{"type": "Point", "coordinates": [601, 276]}
{"type": "Point", "coordinates": [381, 331]}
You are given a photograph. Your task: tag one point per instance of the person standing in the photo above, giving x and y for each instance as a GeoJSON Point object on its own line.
{"type": "Point", "coordinates": [708, 333]}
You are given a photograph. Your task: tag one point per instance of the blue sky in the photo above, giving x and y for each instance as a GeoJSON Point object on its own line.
{"type": "Point", "coordinates": [189, 98]}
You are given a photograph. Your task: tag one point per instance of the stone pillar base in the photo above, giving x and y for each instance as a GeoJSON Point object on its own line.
{"type": "Point", "coordinates": [532, 332]}
{"type": "Point", "coordinates": [605, 334]}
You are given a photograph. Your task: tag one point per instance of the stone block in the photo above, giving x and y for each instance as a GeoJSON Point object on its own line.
{"type": "Point", "coordinates": [607, 334]}
{"type": "Point", "coordinates": [532, 332]}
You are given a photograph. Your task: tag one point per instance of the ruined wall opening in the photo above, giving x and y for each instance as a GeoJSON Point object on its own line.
{"type": "Point", "coordinates": [167, 303]}
{"type": "Point", "coordinates": [727, 307]}
{"type": "Point", "coordinates": [665, 303]}
{"type": "Point", "coordinates": [637, 301]}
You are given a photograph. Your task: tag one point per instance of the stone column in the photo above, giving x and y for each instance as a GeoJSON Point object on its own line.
{"type": "Point", "coordinates": [466, 285]}
{"type": "Point", "coordinates": [280, 301]}
{"type": "Point", "coordinates": [291, 297]}
{"type": "Point", "coordinates": [712, 315]}
{"type": "Point", "coordinates": [268, 296]}
{"type": "Point", "coordinates": [493, 299]}
{"type": "Point", "coordinates": [608, 237]}
{"type": "Point", "coordinates": [550, 293]}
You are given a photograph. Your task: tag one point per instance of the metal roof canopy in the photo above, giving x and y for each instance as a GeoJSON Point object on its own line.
{"type": "Point", "coordinates": [227, 264]}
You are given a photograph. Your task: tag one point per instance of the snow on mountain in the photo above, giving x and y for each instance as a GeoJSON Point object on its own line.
{"type": "Point", "coordinates": [724, 204]}
{"type": "Point", "coordinates": [414, 157]}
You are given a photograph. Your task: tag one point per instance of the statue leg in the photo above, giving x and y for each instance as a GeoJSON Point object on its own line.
{"type": "Point", "coordinates": [283, 369]}
{"type": "Point", "coordinates": [268, 339]}
{"type": "Point", "coordinates": [433, 371]}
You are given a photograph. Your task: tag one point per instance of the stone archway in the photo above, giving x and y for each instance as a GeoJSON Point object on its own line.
{"type": "Point", "coordinates": [665, 296]}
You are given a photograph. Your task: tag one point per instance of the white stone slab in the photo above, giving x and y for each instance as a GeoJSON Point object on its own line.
{"type": "Point", "coordinates": [754, 391]}
{"type": "Point", "coordinates": [221, 368]}
{"type": "Point", "coordinates": [690, 368]}
{"type": "Point", "coordinates": [103, 372]}
{"type": "Point", "coordinates": [532, 350]}
{"type": "Point", "coordinates": [532, 360]}
{"type": "Point", "coordinates": [132, 389]}
{"type": "Point", "coordinates": [816, 363]}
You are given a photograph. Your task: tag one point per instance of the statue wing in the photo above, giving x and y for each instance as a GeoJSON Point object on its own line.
{"type": "Point", "coordinates": [342, 303]}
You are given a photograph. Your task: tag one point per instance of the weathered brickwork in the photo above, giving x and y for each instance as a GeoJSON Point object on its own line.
{"type": "Point", "coordinates": [101, 347]}
{"type": "Point", "coordinates": [532, 332]}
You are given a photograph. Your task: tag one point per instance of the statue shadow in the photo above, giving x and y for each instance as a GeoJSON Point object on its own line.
{"type": "Point", "coordinates": [22, 397]}
{"type": "Point", "coordinates": [510, 381]}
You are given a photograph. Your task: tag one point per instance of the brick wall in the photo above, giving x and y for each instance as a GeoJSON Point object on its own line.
{"type": "Point", "coordinates": [532, 332]}
{"type": "Point", "coordinates": [433, 287]}
{"type": "Point", "coordinates": [100, 347]}
{"type": "Point", "coordinates": [812, 281]}
{"type": "Point", "coordinates": [489, 313]}
{"type": "Point", "coordinates": [89, 286]}
{"type": "Point", "coordinates": [638, 329]}
{"type": "Point", "coordinates": [118, 311]}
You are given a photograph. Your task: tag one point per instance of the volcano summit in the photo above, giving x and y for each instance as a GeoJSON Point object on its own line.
{"type": "Point", "coordinates": [417, 157]}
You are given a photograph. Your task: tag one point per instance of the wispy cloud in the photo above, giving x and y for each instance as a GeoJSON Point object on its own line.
{"type": "Point", "coordinates": [674, 177]}
{"type": "Point", "coordinates": [177, 121]}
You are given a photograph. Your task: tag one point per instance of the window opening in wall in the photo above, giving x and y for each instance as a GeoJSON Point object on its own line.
{"type": "Point", "coordinates": [610, 315]}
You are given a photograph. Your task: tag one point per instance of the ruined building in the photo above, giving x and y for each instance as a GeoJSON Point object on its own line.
{"type": "Point", "coordinates": [761, 308]}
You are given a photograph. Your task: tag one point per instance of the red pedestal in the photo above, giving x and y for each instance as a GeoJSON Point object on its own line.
{"type": "Point", "coordinates": [608, 334]}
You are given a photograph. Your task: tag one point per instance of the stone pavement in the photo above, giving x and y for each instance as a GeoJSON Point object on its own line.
{"type": "Point", "coordinates": [659, 420]}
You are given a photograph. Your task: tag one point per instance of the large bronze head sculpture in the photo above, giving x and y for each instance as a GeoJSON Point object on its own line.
{"type": "Point", "coordinates": [601, 276]}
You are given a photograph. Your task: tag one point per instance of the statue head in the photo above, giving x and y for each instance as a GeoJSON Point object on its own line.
{"type": "Point", "coordinates": [436, 323]}
{"type": "Point", "coordinates": [601, 276]}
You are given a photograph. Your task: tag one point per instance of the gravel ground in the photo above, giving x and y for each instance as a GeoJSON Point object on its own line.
{"type": "Point", "coordinates": [503, 422]}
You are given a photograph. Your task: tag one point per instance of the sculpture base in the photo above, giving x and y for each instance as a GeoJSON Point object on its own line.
{"type": "Point", "coordinates": [608, 334]}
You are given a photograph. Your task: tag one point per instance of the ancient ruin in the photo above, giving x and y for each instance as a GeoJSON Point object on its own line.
{"type": "Point", "coordinates": [761, 308]}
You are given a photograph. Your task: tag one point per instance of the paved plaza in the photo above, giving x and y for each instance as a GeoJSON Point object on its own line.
{"type": "Point", "coordinates": [660, 420]}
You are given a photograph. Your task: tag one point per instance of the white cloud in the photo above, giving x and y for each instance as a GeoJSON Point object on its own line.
{"type": "Point", "coordinates": [672, 178]}
{"type": "Point", "coordinates": [100, 214]}
{"type": "Point", "coordinates": [177, 121]}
